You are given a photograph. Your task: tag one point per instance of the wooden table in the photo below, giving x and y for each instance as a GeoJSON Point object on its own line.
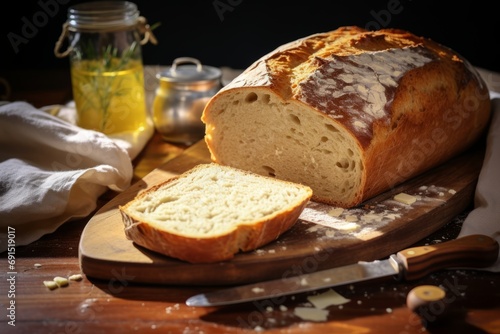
{"type": "Point", "coordinates": [120, 306]}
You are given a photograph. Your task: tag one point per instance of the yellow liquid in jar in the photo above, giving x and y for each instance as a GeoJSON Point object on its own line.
{"type": "Point", "coordinates": [109, 101]}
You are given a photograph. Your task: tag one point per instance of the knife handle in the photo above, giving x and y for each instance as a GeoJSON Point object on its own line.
{"type": "Point", "coordinates": [477, 251]}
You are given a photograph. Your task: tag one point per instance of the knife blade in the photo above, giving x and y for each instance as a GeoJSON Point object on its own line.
{"type": "Point", "coordinates": [473, 251]}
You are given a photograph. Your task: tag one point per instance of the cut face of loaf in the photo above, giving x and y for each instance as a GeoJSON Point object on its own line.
{"type": "Point", "coordinates": [262, 133]}
{"type": "Point", "coordinates": [212, 212]}
{"type": "Point", "coordinates": [282, 139]}
{"type": "Point", "coordinates": [351, 113]}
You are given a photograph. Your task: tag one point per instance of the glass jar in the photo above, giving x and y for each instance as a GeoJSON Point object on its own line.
{"type": "Point", "coordinates": [107, 76]}
{"type": "Point", "coordinates": [183, 91]}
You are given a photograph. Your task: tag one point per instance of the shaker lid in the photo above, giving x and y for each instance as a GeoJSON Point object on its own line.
{"type": "Point", "coordinates": [189, 73]}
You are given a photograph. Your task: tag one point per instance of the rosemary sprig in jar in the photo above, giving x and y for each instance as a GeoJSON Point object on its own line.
{"type": "Point", "coordinates": [101, 82]}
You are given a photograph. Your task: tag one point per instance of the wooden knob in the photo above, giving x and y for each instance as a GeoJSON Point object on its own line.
{"type": "Point", "coordinates": [423, 296]}
{"type": "Point", "coordinates": [435, 306]}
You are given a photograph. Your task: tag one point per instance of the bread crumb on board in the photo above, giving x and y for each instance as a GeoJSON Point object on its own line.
{"type": "Point", "coordinates": [405, 198]}
{"type": "Point", "coordinates": [336, 212]}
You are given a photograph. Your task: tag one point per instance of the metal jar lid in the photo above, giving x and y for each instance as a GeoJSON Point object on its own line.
{"type": "Point", "coordinates": [189, 73]}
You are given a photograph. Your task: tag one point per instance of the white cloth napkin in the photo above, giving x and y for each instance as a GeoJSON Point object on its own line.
{"type": "Point", "coordinates": [485, 217]}
{"type": "Point", "coordinates": [52, 171]}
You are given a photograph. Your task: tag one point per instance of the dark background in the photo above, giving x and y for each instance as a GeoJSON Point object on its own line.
{"type": "Point", "coordinates": [235, 33]}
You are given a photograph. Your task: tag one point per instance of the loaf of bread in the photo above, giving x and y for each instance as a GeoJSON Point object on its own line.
{"type": "Point", "coordinates": [211, 212]}
{"type": "Point", "coordinates": [350, 112]}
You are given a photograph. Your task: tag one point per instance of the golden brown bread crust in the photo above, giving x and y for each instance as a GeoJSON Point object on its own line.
{"type": "Point", "coordinates": [438, 111]}
{"type": "Point", "coordinates": [212, 248]}
{"type": "Point", "coordinates": [438, 107]}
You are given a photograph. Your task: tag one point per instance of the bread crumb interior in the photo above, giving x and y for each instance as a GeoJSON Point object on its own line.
{"type": "Point", "coordinates": [213, 201]}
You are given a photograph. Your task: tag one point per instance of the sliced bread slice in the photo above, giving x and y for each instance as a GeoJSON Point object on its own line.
{"type": "Point", "coordinates": [211, 212]}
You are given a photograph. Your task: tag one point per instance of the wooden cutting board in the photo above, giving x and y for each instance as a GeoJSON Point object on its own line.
{"type": "Point", "coordinates": [323, 237]}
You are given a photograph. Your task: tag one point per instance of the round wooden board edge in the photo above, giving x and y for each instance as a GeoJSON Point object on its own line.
{"type": "Point", "coordinates": [173, 272]}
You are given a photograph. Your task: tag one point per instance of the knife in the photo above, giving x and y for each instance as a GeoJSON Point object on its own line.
{"type": "Point", "coordinates": [473, 251]}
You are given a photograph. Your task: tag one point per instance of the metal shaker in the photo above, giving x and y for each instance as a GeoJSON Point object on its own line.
{"type": "Point", "coordinates": [180, 98]}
